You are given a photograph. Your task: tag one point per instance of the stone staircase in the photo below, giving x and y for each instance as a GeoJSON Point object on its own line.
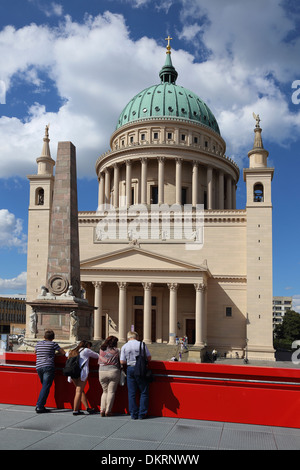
{"type": "Point", "coordinates": [164, 352]}
{"type": "Point", "coordinates": [158, 351]}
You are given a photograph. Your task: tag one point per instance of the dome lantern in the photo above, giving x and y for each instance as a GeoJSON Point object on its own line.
{"type": "Point", "coordinates": [168, 73]}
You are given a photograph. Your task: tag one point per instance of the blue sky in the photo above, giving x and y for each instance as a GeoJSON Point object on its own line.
{"type": "Point", "coordinates": [76, 63]}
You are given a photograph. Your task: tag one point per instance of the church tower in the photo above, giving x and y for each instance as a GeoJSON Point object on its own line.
{"type": "Point", "coordinates": [258, 178]}
{"type": "Point", "coordinates": [40, 202]}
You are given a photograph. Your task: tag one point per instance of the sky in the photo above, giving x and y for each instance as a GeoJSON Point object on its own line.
{"type": "Point", "coordinates": [76, 63]}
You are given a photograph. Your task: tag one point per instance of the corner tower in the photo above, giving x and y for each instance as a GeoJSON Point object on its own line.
{"type": "Point", "coordinates": [40, 203]}
{"type": "Point", "coordinates": [258, 178]}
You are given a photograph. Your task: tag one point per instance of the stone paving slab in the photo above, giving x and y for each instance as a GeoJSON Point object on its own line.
{"type": "Point", "coordinates": [22, 428]}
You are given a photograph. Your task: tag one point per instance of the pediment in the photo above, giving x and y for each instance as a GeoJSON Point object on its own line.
{"type": "Point", "coordinates": [133, 258]}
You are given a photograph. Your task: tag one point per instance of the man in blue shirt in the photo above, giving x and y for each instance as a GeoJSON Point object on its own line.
{"type": "Point", "coordinates": [128, 356]}
{"type": "Point", "coordinates": [45, 367]}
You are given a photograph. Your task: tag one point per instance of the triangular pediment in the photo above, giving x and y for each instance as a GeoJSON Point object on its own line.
{"type": "Point", "coordinates": [133, 258]}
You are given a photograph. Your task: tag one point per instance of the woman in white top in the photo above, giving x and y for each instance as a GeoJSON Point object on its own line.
{"type": "Point", "coordinates": [85, 352]}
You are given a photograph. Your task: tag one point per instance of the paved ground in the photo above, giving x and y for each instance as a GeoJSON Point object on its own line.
{"type": "Point", "coordinates": [22, 428]}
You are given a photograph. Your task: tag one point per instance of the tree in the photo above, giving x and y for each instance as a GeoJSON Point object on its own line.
{"type": "Point", "coordinates": [288, 331]}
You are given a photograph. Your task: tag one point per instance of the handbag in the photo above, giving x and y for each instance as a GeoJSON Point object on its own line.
{"type": "Point", "coordinates": [141, 366]}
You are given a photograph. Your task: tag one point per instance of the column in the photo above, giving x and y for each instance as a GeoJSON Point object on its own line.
{"type": "Point", "coordinates": [173, 312]}
{"type": "Point", "coordinates": [98, 313]}
{"type": "Point", "coordinates": [200, 315]}
{"type": "Point", "coordinates": [228, 192]}
{"type": "Point", "coordinates": [195, 184]}
{"type": "Point", "coordinates": [161, 179]}
{"type": "Point", "coordinates": [233, 194]}
{"type": "Point", "coordinates": [209, 188]}
{"type": "Point", "coordinates": [122, 311]}
{"type": "Point", "coordinates": [221, 190]}
{"type": "Point", "coordinates": [128, 183]}
{"type": "Point", "coordinates": [178, 180]}
{"type": "Point", "coordinates": [147, 312]}
{"type": "Point", "coordinates": [144, 181]}
{"type": "Point", "coordinates": [107, 186]}
{"type": "Point", "coordinates": [116, 185]}
{"type": "Point", "coordinates": [101, 190]}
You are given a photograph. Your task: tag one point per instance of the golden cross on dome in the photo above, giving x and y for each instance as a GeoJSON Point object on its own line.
{"type": "Point", "coordinates": [168, 46]}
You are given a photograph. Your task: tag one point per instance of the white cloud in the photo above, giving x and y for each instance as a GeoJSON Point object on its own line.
{"type": "Point", "coordinates": [190, 31]}
{"type": "Point", "coordinates": [16, 284]}
{"type": "Point", "coordinates": [254, 37]}
{"type": "Point", "coordinates": [11, 231]}
{"type": "Point", "coordinates": [49, 9]}
{"type": "Point", "coordinates": [88, 80]}
{"type": "Point", "coordinates": [97, 68]}
{"type": "Point", "coordinates": [296, 303]}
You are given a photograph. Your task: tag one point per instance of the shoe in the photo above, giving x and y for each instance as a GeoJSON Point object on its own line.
{"type": "Point", "coordinates": [91, 411]}
{"type": "Point", "coordinates": [143, 417]}
{"type": "Point", "coordinates": [42, 410]}
{"type": "Point", "coordinates": [77, 413]}
{"type": "Point", "coordinates": [108, 414]}
{"type": "Point", "coordinates": [102, 413]}
{"type": "Point", "coordinates": [134, 417]}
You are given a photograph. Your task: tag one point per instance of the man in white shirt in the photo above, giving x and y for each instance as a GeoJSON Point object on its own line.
{"type": "Point", "coordinates": [128, 357]}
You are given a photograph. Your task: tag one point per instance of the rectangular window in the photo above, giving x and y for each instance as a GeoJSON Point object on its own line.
{"type": "Point", "coordinates": [170, 135]}
{"type": "Point", "coordinates": [228, 311]}
{"type": "Point", "coordinates": [154, 194]}
{"type": "Point", "coordinates": [183, 196]}
{"type": "Point", "coordinates": [138, 300]}
{"type": "Point", "coordinates": [155, 135]}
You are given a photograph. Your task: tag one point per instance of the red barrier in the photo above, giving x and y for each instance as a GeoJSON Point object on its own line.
{"type": "Point", "coordinates": [214, 392]}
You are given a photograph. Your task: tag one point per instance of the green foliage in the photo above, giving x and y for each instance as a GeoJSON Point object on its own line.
{"type": "Point", "coordinates": [288, 331]}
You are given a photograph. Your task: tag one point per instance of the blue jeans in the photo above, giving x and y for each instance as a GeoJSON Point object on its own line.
{"type": "Point", "coordinates": [133, 385]}
{"type": "Point", "coordinates": [46, 376]}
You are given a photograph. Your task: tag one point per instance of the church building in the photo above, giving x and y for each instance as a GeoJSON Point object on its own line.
{"type": "Point", "coordinates": [167, 253]}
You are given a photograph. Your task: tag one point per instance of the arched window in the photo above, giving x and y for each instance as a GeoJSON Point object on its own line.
{"type": "Point", "coordinates": [258, 193]}
{"type": "Point", "coordinates": [39, 197]}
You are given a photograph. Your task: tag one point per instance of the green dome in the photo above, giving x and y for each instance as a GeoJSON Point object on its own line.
{"type": "Point", "coordinates": [168, 100]}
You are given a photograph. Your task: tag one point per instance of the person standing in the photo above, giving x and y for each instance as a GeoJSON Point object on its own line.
{"type": "Point", "coordinates": [84, 351]}
{"type": "Point", "coordinates": [45, 353]}
{"type": "Point", "coordinates": [128, 356]}
{"type": "Point", "coordinates": [109, 373]}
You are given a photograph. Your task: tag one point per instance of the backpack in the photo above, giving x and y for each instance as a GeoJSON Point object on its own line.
{"type": "Point", "coordinates": [72, 368]}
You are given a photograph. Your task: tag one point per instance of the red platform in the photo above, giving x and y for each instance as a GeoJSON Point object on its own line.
{"type": "Point", "coordinates": [214, 392]}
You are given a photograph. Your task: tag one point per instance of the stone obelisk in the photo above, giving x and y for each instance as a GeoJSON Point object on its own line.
{"type": "Point", "coordinates": [60, 305]}
{"type": "Point", "coordinates": [63, 272]}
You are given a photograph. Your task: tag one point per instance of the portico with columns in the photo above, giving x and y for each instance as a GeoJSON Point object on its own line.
{"type": "Point", "coordinates": [146, 300]}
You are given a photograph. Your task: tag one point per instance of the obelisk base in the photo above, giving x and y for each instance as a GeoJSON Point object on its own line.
{"type": "Point", "coordinates": [70, 318]}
